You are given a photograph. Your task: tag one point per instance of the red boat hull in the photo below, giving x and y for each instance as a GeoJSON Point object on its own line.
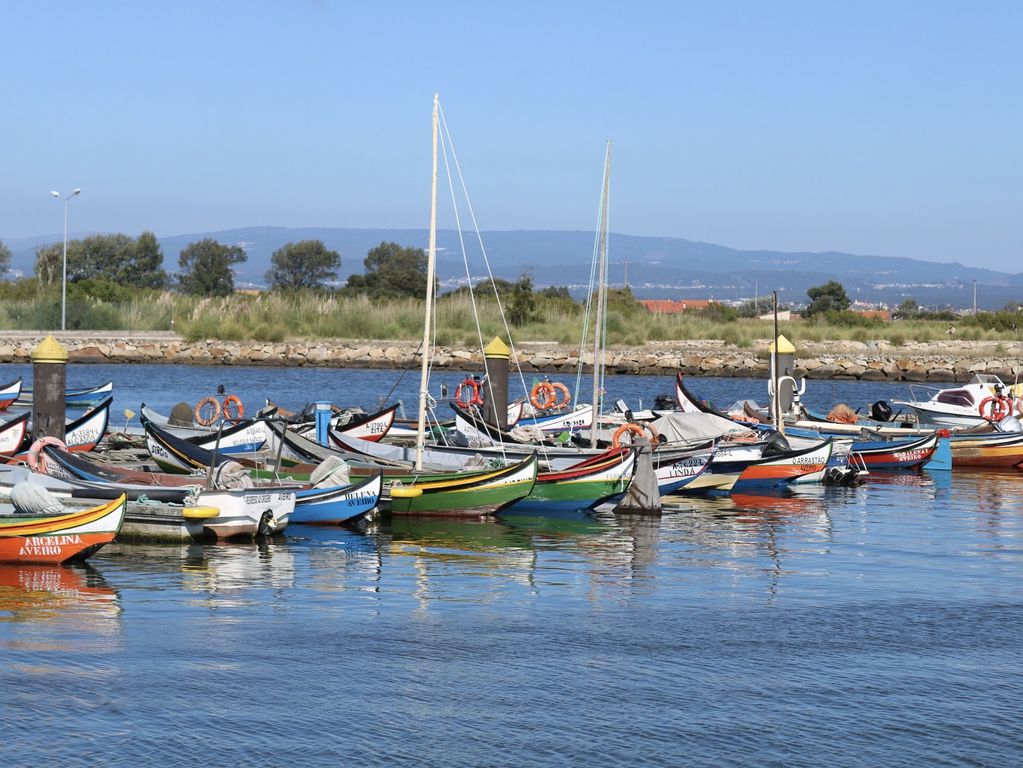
{"type": "Point", "coordinates": [57, 548]}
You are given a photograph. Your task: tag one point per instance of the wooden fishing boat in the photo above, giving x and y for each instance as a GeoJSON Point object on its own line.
{"type": "Point", "coordinates": [674, 476]}
{"type": "Point", "coordinates": [405, 430]}
{"type": "Point", "coordinates": [58, 538]}
{"type": "Point", "coordinates": [775, 472]}
{"type": "Point", "coordinates": [584, 486]}
{"type": "Point", "coordinates": [810, 425]}
{"type": "Point", "coordinates": [9, 393]}
{"type": "Point", "coordinates": [338, 504]}
{"type": "Point", "coordinates": [177, 455]}
{"type": "Point", "coordinates": [229, 512]}
{"type": "Point", "coordinates": [442, 455]}
{"type": "Point", "coordinates": [245, 436]}
{"type": "Point", "coordinates": [556, 423]}
{"type": "Point", "coordinates": [371, 427]}
{"type": "Point", "coordinates": [895, 454]}
{"type": "Point", "coordinates": [13, 433]}
{"type": "Point", "coordinates": [331, 504]}
{"type": "Point", "coordinates": [80, 396]}
{"type": "Point", "coordinates": [80, 434]}
{"type": "Point", "coordinates": [493, 443]}
{"type": "Point", "coordinates": [169, 514]}
{"type": "Point", "coordinates": [1000, 450]}
{"type": "Point", "coordinates": [472, 494]}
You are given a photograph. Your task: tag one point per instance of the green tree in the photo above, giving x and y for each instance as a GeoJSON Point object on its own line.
{"type": "Point", "coordinates": [145, 269]}
{"type": "Point", "coordinates": [485, 289]}
{"type": "Point", "coordinates": [830, 297]}
{"type": "Point", "coordinates": [621, 299]}
{"type": "Point", "coordinates": [907, 309]}
{"type": "Point", "coordinates": [114, 258]}
{"type": "Point", "coordinates": [557, 292]}
{"type": "Point", "coordinates": [523, 301]}
{"type": "Point", "coordinates": [392, 271]}
{"type": "Point", "coordinates": [206, 268]}
{"type": "Point", "coordinates": [757, 307]}
{"type": "Point", "coordinates": [306, 264]}
{"type": "Point", "coordinates": [5, 258]}
{"type": "Point", "coordinates": [557, 298]}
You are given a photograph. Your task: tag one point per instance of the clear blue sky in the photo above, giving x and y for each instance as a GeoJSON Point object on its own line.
{"type": "Point", "coordinates": [889, 128]}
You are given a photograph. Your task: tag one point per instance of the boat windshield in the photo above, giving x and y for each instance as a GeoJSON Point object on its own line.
{"type": "Point", "coordinates": [955, 397]}
{"type": "Point", "coordinates": [986, 379]}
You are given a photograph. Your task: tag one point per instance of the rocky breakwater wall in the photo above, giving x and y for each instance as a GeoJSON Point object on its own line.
{"type": "Point", "coordinates": [872, 360]}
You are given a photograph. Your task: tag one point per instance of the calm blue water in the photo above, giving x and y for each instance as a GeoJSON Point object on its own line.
{"type": "Point", "coordinates": [881, 625]}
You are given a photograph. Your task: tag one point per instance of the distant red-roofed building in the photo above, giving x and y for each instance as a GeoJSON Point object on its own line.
{"type": "Point", "coordinates": [881, 314]}
{"type": "Point", "coordinates": [670, 306]}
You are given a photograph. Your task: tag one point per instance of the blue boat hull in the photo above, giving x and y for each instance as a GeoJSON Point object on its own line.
{"type": "Point", "coordinates": [341, 504]}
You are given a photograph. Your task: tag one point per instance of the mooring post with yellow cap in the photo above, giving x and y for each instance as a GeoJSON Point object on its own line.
{"type": "Point", "coordinates": [49, 387]}
{"type": "Point", "coordinates": [784, 355]}
{"type": "Point", "coordinates": [495, 407]}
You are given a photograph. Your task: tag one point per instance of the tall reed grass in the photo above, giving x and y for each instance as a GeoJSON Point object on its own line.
{"type": "Point", "coordinates": [279, 316]}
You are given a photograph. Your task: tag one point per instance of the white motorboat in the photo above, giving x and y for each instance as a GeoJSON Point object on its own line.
{"type": "Point", "coordinates": [984, 399]}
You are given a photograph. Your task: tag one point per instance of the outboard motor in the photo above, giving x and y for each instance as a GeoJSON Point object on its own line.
{"type": "Point", "coordinates": [665, 403]}
{"type": "Point", "coordinates": [776, 444]}
{"type": "Point", "coordinates": [881, 411]}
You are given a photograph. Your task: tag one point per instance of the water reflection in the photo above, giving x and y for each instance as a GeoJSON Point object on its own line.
{"type": "Point", "coordinates": [40, 593]}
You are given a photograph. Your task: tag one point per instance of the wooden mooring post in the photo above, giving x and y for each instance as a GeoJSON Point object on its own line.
{"type": "Point", "coordinates": [49, 387]}
{"type": "Point", "coordinates": [643, 495]}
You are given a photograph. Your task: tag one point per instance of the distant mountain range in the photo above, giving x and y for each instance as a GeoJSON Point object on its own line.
{"type": "Point", "coordinates": [654, 267]}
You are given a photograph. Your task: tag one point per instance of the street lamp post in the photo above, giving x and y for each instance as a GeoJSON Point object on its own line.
{"type": "Point", "coordinates": [63, 279]}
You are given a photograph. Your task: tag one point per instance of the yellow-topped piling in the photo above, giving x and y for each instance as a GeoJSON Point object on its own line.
{"type": "Point", "coordinates": [497, 348]}
{"type": "Point", "coordinates": [49, 350]}
{"type": "Point", "coordinates": [49, 379]}
{"type": "Point", "coordinates": [495, 406]}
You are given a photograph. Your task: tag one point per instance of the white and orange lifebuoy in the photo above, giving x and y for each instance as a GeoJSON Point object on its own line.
{"type": "Point", "coordinates": [233, 401]}
{"type": "Point", "coordinates": [564, 397]}
{"type": "Point", "coordinates": [635, 430]}
{"type": "Point", "coordinates": [207, 411]}
{"type": "Point", "coordinates": [36, 459]}
{"type": "Point", "coordinates": [542, 396]}
{"type": "Point", "coordinates": [470, 388]}
{"type": "Point", "coordinates": [998, 407]}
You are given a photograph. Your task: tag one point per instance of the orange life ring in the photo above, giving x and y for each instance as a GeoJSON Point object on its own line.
{"type": "Point", "coordinates": [637, 431]}
{"type": "Point", "coordinates": [470, 399]}
{"type": "Point", "coordinates": [36, 460]}
{"type": "Point", "coordinates": [561, 402]}
{"type": "Point", "coordinates": [206, 421]}
{"type": "Point", "coordinates": [1000, 407]}
{"type": "Point", "coordinates": [235, 402]}
{"type": "Point", "coordinates": [543, 396]}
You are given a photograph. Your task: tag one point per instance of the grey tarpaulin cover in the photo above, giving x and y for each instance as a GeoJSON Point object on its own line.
{"type": "Point", "coordinates": [694, 427]}
{"type": "Point", "coordinates": [232, 476]}
{"type": "Point", "coordinates": [34, 499]}
{"type": "Point", "coordinates": [332, 471]}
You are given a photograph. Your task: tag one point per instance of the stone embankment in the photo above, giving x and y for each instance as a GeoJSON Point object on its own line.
{"type": "Point", "coordinates": [872, 361]}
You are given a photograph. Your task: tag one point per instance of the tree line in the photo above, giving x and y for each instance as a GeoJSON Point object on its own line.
{"type": "Point", "coordinates": [107, 267]}
{"type": "Point", "coordinates": [207, 267]}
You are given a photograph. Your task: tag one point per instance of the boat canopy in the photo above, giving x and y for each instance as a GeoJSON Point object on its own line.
{"type": "Point", "coordinates": [679, 427]}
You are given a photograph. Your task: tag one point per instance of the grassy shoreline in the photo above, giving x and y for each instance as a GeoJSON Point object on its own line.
{"type": "Point", "coordinates": [276, 317]}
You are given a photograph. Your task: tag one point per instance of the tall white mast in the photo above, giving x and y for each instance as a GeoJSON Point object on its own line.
{"type": "Point", "coordinates": [598, 332]}
{"type": "Point", "coordinates": [431, 272]}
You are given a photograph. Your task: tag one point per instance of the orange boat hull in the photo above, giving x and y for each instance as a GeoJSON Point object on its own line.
{"type": "Point", "coordinates": [59, 538]}
{"type": "Point", "coordinates": [56, 548]}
